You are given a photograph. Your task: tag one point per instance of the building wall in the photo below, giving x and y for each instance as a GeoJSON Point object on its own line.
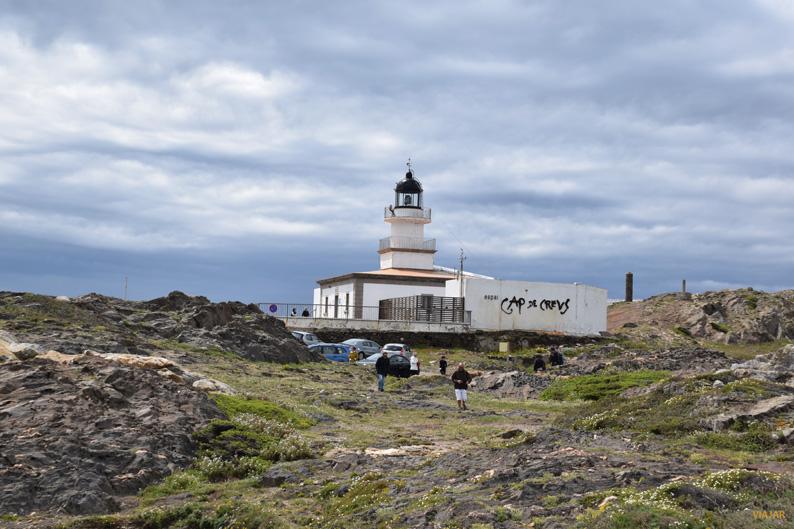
{"type": "Point", "coordinates": [412, 260]}
{"type": "Point", "coordinates": [374, 292]}
{"type": "Point", "coordinates": [521, 305]}
{"type": "Point", "coordinates": [329, 291]}
{"type": "Point", "coordinates": [407, 229]}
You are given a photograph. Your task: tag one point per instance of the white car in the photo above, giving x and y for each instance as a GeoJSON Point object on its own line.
{"type": "Point", "coordinates": [397, 348]}
{"type": "Point", "coordinates": [306, 337]}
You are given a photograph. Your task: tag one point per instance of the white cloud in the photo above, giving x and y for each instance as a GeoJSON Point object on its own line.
{"type": "Point", "coordinates": [585, 133]}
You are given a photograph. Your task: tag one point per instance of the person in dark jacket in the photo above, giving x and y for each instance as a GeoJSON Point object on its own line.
{"type": "Point", "coordinates": [540, 364]}
{"type": "Point", "coordinates": [442, 365]}
{"type": "Point", "coordinates": [461, 379]}
{"type": "Point", "coordinates": [382, 369]}
{"type": "Point", "coordinates": [556, 357]}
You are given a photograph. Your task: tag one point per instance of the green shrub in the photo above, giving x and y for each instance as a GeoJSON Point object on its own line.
{"type": "Point", "coordinates": [363, 494]}
{"type": "Point", "coordinates": [193, 516]}
{"type": "Point", "coordinates": [753, 441]}
{"type": "Point", "coordinates": [187, 480]}
{"type": "Point", "coordinates": [720, 327]}
{"type": "Point", "coordinates": [655, 412]}
{"type": "Point", "coordinates": [216, 468]}
{"type": "Point", "coordinates": [751, 300]}
{"type": "Point", "coordinates": [245, 447]}
{"type": "Point", "coordinates": [600, 385]}
{"type": "Point", "coordinates": [232, 406]}
{"type": "Point", "coordinates": [642, 516]}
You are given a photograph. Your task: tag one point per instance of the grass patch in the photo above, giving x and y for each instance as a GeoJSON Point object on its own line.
{"type": "Point", "coordinates": [233, 406]}
{"type": "Point", "coordinates": [190, 480]}
{"type": "Point", "coordinates": [670, 409]}
{"type": "Point", "coordinates": [237, 515]}
{"type": "Point", "coordinates": [747, 351]}
{"type": "Point", "coordinates": [720, 327]}
{"type": "Point", "coordinates": [245, 446]}
{"type": "Point", "coordinates": [363, 494]}
{"type": "Point", "coordinates": [690, 504]}
{"type": "Point", "coordinates": [753, 441]}
{"type": "Point", "coordinates": [600, 385]}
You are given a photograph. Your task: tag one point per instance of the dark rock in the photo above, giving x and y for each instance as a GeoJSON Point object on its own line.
{"type": "Point", "coordinates": [692, 497]}
{"type": "Point", "coordinates": [87, 441]}
{"type": "Point", "coordinates": [511, 434]}
{"type": "Point", "coordinates": [118, 326]}
{"type": "Point", "coordinates": [26, 354]}
{"type": "Point", "coordinates": [277, 475]}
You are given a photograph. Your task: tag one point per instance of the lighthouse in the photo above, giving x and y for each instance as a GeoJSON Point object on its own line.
{"type": "Point", "coordinates": [410, 293]}
{"type": "Point", "coordinates": [406, 246]}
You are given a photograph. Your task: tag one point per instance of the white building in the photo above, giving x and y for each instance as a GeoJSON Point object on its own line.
{"type": "Point", "coordinates": [406, 263]}
{"type": "Point", "coordinates": [409, 287]}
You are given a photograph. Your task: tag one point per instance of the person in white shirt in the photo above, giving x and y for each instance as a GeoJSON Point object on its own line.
{"type": "Point", "coordinates": [414, 364]}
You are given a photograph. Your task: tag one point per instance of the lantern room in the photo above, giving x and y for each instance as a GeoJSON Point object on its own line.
{"type": "Point", "coordinates": [408, 192]}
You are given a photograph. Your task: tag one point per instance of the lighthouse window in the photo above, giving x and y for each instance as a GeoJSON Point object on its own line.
{"type": "Point", "coordinates": [407, 200]}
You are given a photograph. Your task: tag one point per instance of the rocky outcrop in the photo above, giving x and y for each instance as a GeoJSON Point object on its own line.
{"type": "Point", "coordinates": [680, 359]}
{"type": "Point", "coordinates": [759, 410]}
{"type": "Point", "coordinates": [76, 435]}
{"type": "Point", "coordinates": [511, 384]}
{"type": "Point", "coordinates": [176, 321]}
{"type": "Point", "coordinates": [729, 316]}
{"type": "Point", "coordinates": [773, 367]}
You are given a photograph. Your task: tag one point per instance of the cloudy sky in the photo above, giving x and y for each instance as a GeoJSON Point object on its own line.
{"type": "Point", "coordinates": [243, 150]}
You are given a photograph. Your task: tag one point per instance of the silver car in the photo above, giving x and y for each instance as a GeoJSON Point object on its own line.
{"type": "Point", "coordinates": [306, 337]}
{"type": "Point", "coordinates": [365, 347]}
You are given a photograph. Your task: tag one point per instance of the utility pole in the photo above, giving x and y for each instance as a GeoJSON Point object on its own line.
{"type": "Point", "coordinates": [125, 288]}
{"type": "Point", "coordinates": [460, 272]}
{"type": "Point", "coordinates": [629, 287]}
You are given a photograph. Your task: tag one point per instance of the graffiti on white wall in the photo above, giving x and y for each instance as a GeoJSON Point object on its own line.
{"type": "Point", "coordinates": [510, 305]}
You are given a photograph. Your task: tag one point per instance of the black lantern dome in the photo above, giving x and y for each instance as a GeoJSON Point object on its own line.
{"type": "Point", "coordinates": [408, 192]}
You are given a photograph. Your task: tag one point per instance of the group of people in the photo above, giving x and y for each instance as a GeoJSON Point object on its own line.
{"type": "Point", "coordinates": [460, 378]}
{"type": "Point", "coordinates": [555, 359]}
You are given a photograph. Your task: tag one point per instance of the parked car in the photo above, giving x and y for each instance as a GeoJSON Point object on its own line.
{"type": "Point", "coordinates": [306, 337]}
{"type": "Point", "coordinates": [399, 365]}
{"type": "Point", "coordinates": [335, 352]}
{"type": "Point", "coordinates": [365, 347]}
{"type": "Point", "coordinates": [399, 348]}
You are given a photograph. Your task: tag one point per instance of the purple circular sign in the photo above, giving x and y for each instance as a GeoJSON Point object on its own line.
{"type": "Point", "coordinates": [273, 308]}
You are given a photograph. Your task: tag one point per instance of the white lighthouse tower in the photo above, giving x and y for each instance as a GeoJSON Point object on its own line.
{"type": "Point", "coordinates": [407, 247]}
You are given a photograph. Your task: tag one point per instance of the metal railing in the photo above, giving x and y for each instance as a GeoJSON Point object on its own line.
{"type": "Point", "coordinates": [338, 311]}
{"type": "Point", "coordinates": [342, 312]}
{"type": "Point", "coordinates": [420, 213]}
{"type": "Point", "coordinates": [407, 243]}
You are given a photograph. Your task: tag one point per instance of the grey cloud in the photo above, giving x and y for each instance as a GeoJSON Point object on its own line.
{"type": "Point", "coordinates": [567, 142]}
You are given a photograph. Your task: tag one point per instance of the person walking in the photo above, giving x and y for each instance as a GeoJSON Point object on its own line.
{"type": "Point", "coordinates": [461, 379]}
{"type": "Point", "coordinates": [382, 369]}
{"type": "Point", "coordinates": [414, 364]}
{"type": "Point", "coordinates": [352, 356]}
{"type": "Point", "coordinates": [442, 365]}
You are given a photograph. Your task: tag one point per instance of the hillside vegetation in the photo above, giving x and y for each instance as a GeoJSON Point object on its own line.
{"type": "Point", "coordinates": [637, 431]}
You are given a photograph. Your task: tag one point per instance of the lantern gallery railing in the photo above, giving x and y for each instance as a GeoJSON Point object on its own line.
{"type": "Point", "coordinates": [407, 243]}
{"type": "Point", "coordinates": [417, 213]}
{"type": "Point", "coordinates": [333, 309]}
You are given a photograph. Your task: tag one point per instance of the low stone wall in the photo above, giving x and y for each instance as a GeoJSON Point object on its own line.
{"type": "Point", "coordinates": [473, 341]}
{"type": "Point", "coordinates": [318, 325]}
